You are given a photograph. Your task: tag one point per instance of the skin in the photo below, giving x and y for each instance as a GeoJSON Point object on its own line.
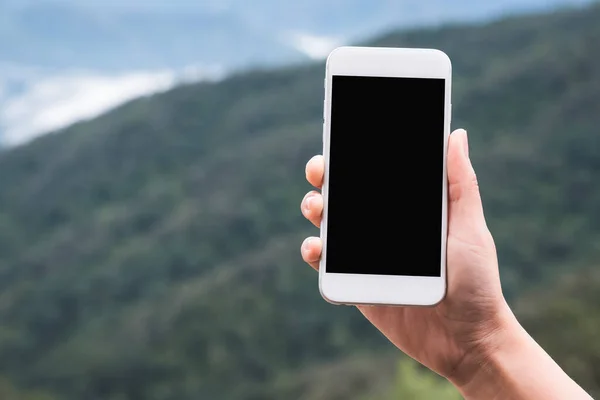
{"type": "Point", "coordinates": [472, 338]}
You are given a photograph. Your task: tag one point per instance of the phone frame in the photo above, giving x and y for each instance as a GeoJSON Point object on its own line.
{"type": "Point", "coordinates": [368, 289]}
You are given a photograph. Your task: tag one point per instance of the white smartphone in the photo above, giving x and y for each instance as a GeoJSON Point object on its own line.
{"type": "Point", "coordinates": [386, 125]}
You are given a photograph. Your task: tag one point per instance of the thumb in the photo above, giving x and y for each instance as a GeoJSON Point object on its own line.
{"type": "Point", "coordinates": [464, 205]}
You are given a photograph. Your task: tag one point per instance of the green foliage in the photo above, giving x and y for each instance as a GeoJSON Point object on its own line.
{"type": "Point", "coordinates": [565, 320]}
{"type": "Point", "coordinates": [152, 253]}
{"type": "Point", "coordinates": [413, 382]}
{"type": "Point", "coordinates": [9, 392]}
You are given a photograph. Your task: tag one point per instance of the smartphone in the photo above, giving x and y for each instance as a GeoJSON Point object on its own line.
{"type": "Point", "coordinates": [386, 125]}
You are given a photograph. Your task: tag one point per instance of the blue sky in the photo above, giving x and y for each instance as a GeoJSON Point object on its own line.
{"type": "Point", "coordinates": [62, 61]}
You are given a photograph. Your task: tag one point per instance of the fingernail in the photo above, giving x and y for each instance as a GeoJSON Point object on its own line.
{"type": "Point", "coordinates": [466, 144]}
{"type": "Point", "coordinates": [306, 247]}
{"type": "Point", "coordinates": [308, 203]}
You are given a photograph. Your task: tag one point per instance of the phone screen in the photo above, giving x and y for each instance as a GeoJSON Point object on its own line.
{"type": "Point", "coordinates": [385, 176]}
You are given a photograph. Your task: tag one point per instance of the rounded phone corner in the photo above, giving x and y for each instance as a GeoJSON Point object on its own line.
{"type": "Point", "coordinates": [336, 50]}
{"type": "Point", "coordinates": [440, 298]}
{"type": "Point", "coordinates": [446, 59]}
{"type": "Point", "coordinates": [323, 291]}
{"type": "Point", "coordinates": [333, 53]}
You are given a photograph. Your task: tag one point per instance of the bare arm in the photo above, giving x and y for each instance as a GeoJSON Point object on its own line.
{"type": "Point", "coordinates": [515, 367]}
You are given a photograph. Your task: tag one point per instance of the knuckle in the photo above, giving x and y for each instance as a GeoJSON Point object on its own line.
{"type": "Point", "coordinates": [458, 189]}
{"type": "Point", "coordinates": [473, 183]}
{"type": "Point", "coordinates": [454, 191]}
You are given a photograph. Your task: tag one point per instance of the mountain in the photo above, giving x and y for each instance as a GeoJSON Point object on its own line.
{"type": "Point", "coordinates": [63, 61]}
{"type": "Point", "coordinates": [153, 252]}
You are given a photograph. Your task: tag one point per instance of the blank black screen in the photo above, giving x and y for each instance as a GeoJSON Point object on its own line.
{"type": "Point", "coordinates": [385, 176]}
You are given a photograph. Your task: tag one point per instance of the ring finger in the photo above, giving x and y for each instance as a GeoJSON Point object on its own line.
{"type": "Point", "coordinates": [312, 207]}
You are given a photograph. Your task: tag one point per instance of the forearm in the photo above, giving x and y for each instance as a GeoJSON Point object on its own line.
{"type": "Point", "coordinates": [516, 367]}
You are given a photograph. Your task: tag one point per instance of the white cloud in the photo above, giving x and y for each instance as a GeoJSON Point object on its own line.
{"type": "Point", "coordinates": [316, 47]}
{"type": "Point", "coordinates": [52, 102]}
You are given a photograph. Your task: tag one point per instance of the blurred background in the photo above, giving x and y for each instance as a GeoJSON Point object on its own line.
{"type": "Point", "coordinates": [152, 163]}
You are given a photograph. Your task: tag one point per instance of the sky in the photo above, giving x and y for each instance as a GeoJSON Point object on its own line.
{"type": "Point", "coordinates": [37, 99]}
{"type": "Point", "coordinates": [48, 100]}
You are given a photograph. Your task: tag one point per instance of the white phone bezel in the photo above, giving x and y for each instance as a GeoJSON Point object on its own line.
{"type": "Point", "coordinates": [384, 289]}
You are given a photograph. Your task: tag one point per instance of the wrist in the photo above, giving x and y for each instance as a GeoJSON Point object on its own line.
{"type": "Point", "coordinates": [483, 365]}
{"type": "Point", "coordinates": [509, 364]}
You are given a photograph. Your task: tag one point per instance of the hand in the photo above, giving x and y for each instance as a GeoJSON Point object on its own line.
{"type": "Point", "coordinates": [467, 322]}
{"type": "Point", "coordinates": [472, 337]}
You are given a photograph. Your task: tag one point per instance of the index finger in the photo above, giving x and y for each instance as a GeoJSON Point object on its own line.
{"type": "Point", "coordinates": [315, 168]}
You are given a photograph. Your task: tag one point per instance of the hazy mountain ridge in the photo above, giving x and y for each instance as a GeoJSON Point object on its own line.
{"type": "Point", "coordinates": [63, 61]}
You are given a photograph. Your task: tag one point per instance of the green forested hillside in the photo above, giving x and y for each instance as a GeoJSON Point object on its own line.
{"type": "Point", "coordinates": [153, 253]}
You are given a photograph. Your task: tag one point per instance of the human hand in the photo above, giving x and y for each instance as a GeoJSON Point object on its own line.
{"type": "Point", "coordinates": [451, 337]}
